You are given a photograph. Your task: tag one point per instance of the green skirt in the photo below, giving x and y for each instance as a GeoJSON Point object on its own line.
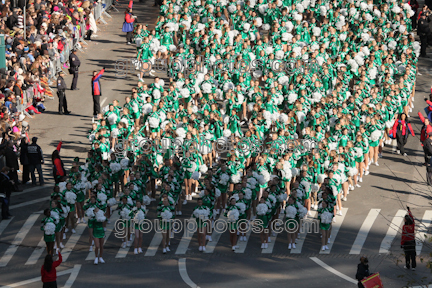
{"type": "Point", "coordinates": [359, 159]}
{"type": "Point", "coordinates": [374, 143]}
{"type": "Point", "coordinates": [72, 207]}
{"type": "Point", "coordinates": [49, 238]}
{"type": "Point", "coordinates": [291, 224]}
{"type": "Point", "coordinates": [91, 223]}
{"type": "Point", "coordinates": [232, 226]}
{"type": "Point", "coordinates": [324, 226]}
{"type": "Point", "coordinates": [98, 230]}
{"type": "Point", "coordinates": [80, 197]}
{"type": "Point", "coordinates": [165, 225]}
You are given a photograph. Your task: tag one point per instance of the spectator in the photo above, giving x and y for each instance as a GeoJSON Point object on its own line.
{"type": "Point", "coordinates": [401, 130]}
{"type": "Point", "coordinates": [12, 163]}
{"type": "Point", "coordinates": [6, 187]}
{"type": "Point", "coordinates": [24, 160]}
{"type": "Point", "coordinates": [48, 271]}
{"type": "Point", "coordinates": [408, 241]}
{"type": "Point", "coordinates": [36, 160]}
{"type": "Point", "coordinates": [362, 271]}
{"type": "Point", "coordinates": [58, 169]}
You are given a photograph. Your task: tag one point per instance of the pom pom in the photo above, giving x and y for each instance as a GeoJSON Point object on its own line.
{"type": "Point", "coordinates": [111, 202]}
{"type": "Point", "coordinates": [102, 197]}
{"type": "Point", "coordinates": [49, 228]}
{"type": "Point", "coordinates": [242, 207]}
{"type": "Point", "coordinates": [195, 175]}
{"type": "Point", "coordinates": [233, 215]}
{"type": "Point", "coordinates": [262, 209]}
{"type": "Point", "coordinates": [376, 135]}
{"type": "Point", "coordinates": [290, 212]}
{"type": "Point", "coordinates": [100, 217]}
{"type": "Point", "coordinates": [124, 163]}
{"type": "Point", "coordinates": [224, 178]}
{"type": "Point", "coordinates": [90, 213]}
{"type": "Point", "coordinates": [70, 197]}
{"type": "Point", "coordinates": [326, 217]}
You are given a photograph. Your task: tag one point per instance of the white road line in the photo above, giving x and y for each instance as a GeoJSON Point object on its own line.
{"type": "Point", "coordinates": [273, 240]}
{"type": "Point", "coordinates": [185, 240]}
{"type": "Point", "coordinates": [154, 245]}
{"type": "Point", "coordinates": [38, 279]}
{"type": "Point", "coordinates": [37, 253]}
{"type": "Point", "coordinates": [422, 230]}
{"type": "Point", "coordinates": [18, 240]}
{"type": "Point", "coordinates": [73, 240]}
{"type": "Point", "coordinates": [110, 228]}
{"type": "Point", "coordinates": [103, 101]}
{"type": "Point", "coordinates": [242, 245]}
{"type": "Point", "coordinates": [29, 203]}
{"type": "Point", "coordinates": [73, 276]}
{"type": "Point", "coordinates": [392, 231]}
{"type": "Point", "coordinates": [304, 232]}
{"type": "Point", "coordinates": [123, 252]}
{"type": "Point", "coordinates": [184, 275]}
{"type": "Point", "coordinates": [4, 224]}
{"type": "Point", "coordinates": [332, 270]}
{"type": "Point", "coordinates": [335, 229]}
{"type": "Point", "coordinates": [216, 234]}
{"type": "Point", "coordinates": [30, 189]}
{"type": "Point", "coordinates": [364, 231]}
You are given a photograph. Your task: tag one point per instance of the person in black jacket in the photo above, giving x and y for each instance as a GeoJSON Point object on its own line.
{"type": "Point", "coordinates": [61, 93]}
{"type": "Point", "coordinates": [24, 160]}
{"type": "Point", "coordinates": [424, 32]}
{"type": "Point", "coordinates": [74, 66]}
{"type": "Point", "coordinates": [6, 187]}
{"type": "Point", "coordinates": [362, 271]}
{"type": "Point", "coordinates": [36, 160]}
{"type": "Point", "coordinates": [12, 163]}
{"type": "Point", "coordinates": [427, 147]}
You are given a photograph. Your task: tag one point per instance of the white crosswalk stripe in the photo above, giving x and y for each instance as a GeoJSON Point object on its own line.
{"type": "Point", "coordinates": [364, 231]}
{"type": "Point", "coordinates": [335, 229]}
{"type": "Point", "coordinates": [18, 239]}
{"type": "Point", "coordinates": [4, 224]}
{"type": "Point", "coordinates": [422, 229]}
{"type": "Point", "coordinates": [392, 231]}
{"type": "Point", "coordinates": [73, 240]}
{"type": "Point", "coordinates": [185, 240]}
{"type": "Point", "coordinates": [309, 226]}
{"type": "Point", "coordinates": [216, 234]}
{"type": "Point", "coordinates": [37, 253]}
{"type": "Point", "coordinates": [154, 245]}
{"type": "Point", "coordinates": [271, 244]}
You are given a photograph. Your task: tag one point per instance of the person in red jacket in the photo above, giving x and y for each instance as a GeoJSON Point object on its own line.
{"type": "Point", "coordinates": [58, 169]}
{"type": "Point", "coordinates": [128, 25]}
{"type": "Point", "coordinates": [424, 134]}
{"type": "Point", "coordinates": [48, 271]}
{"type": "Point", "coordinates": [401, 130]}
{"type": "Point", "coordinates": [96, 91]}
{"type": "Point", "coordinates": [408, 243]}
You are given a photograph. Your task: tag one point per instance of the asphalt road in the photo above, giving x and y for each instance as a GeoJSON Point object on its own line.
{"type": "Point", "coordinates": [397, 182]}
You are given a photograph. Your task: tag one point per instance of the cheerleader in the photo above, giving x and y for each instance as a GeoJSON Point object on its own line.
{"type": "Point", "coordinates": [99, 235]}
{"type": "Point", "coordinates": [57, 214]}
{"type": "Point", "coordinates": [165, 215]}
{"type": "Point", "coordinates": [89, 208]}
{"type": "Point", "coordinates": [242, 204]}
{"type": "Point", "coordinates": [292, 221]}
{"type": "Point", "coordinates": [49, 227]}
{"type": "Point", "coordinates": [79, 189]}
{"type": "Point", "coordinates": [233, 213]}
{"type": "Point", "coordinates": [125, 208]}
{"type": "Point", "coordinates": [70, 198]}
{"type": "Point", "coordinates": [262, 221]}
{"type": "Point", "coordinates": [138, 214]}
{"type": "Point", "coordinates": [201, 214]}
{"type": "Point", "coordinates": [325, 217]}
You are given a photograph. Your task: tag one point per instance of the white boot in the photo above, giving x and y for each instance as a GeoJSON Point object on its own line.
{"type": "Point", "coordinates": [135, 251]}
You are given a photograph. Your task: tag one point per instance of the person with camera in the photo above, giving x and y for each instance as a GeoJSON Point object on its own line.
{"type": "Point", "coordinates": [408, 243]}
{"type": "Point", "coordinates": [423, 31]}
